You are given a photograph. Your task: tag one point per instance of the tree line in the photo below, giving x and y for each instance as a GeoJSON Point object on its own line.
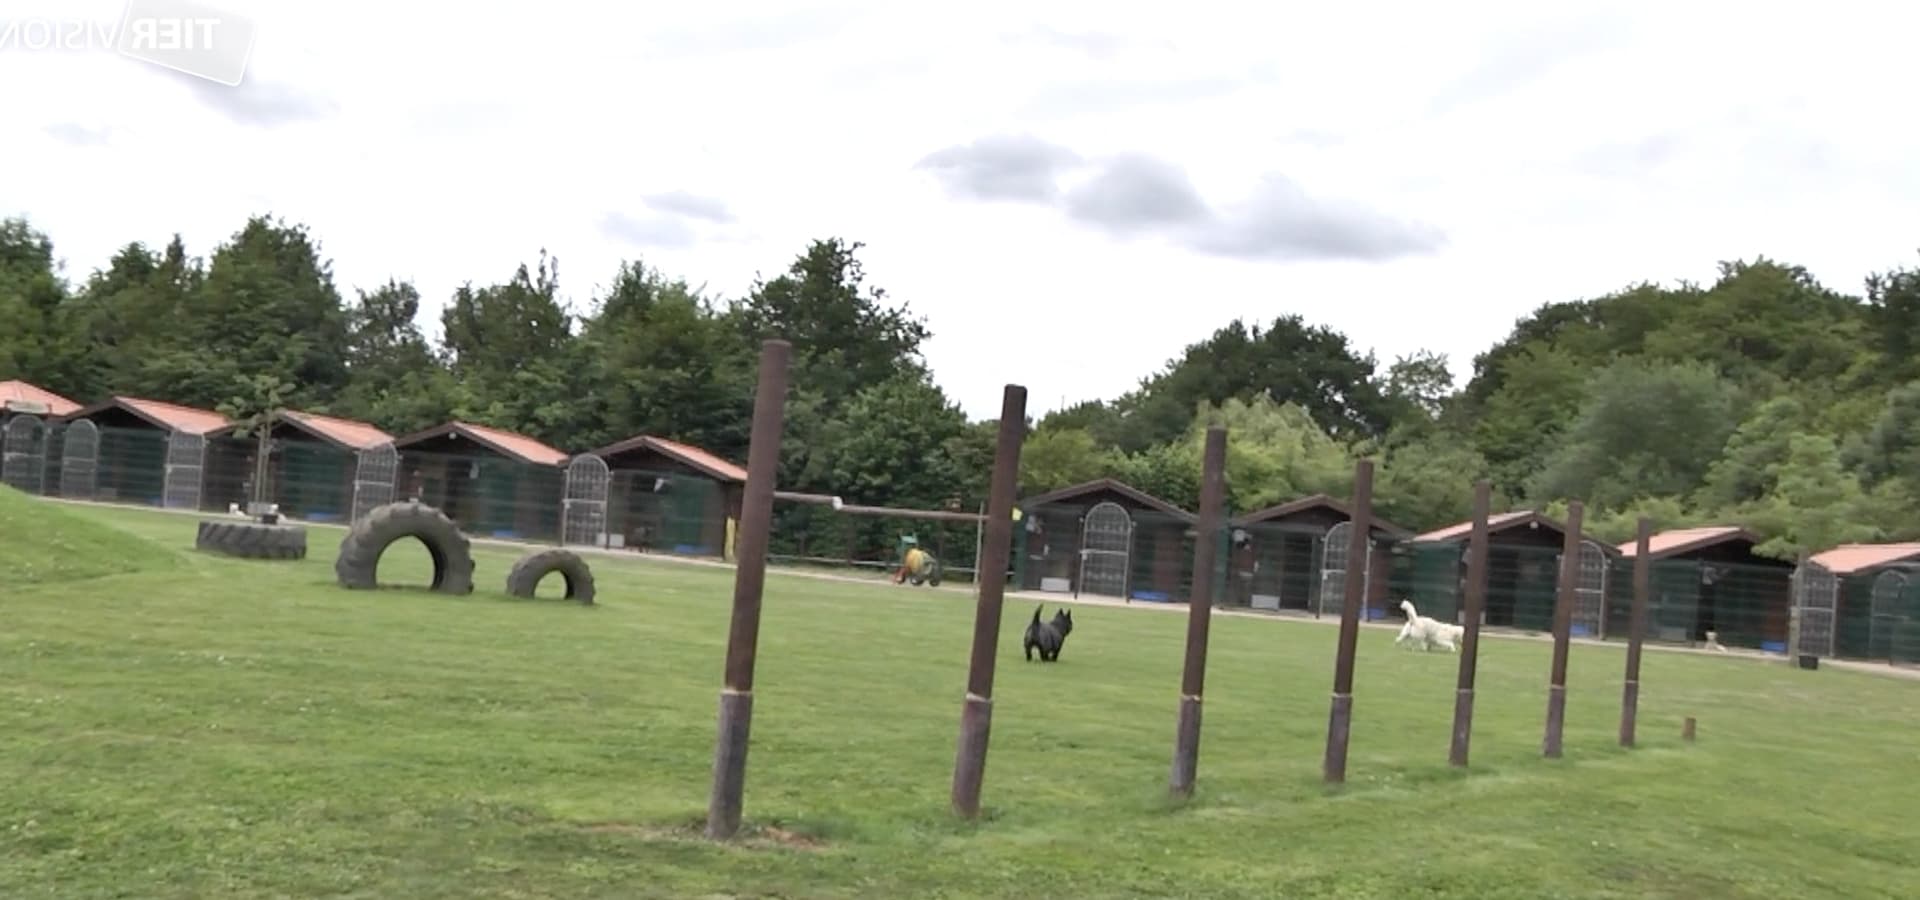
{"type": "Point", "coordinates": [1764, 398]}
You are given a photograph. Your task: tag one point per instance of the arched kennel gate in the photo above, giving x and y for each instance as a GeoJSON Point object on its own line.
{"type": "Point", "coordinates": [583, 511]}
{"type": "Point", "coordinates": [1334, 566]}
{"type": "Point", "coordinates": [1106, 550]}
{"type": "Point", "coordinates": [23, 455]}
{"type": "Point", "coordinates": [1816, 596]}
{"type": "Point", "coordinates": [80, 461]}
{"type": "Point", "coordinates": [1590, 591]}
{"type": "Point", "coordinates": [375, 471]}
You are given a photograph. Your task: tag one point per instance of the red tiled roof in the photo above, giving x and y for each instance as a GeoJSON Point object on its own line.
{"type": "Point", "coordinates": [506, 443]}
{"type": "Point", "coordinates": [20, 391]}
{"type": "Point", "coordinates": [1465, 529]}
{"type": "Point", "coordinates": [516, 444]}
{"type": "Point", "coordinates": [358, 435]}
{"type": "Point", "coordinates": [686, 454]}
{"type": "Point", "coordinates": [1847, 559]}
{"type": "Point", "coordinates": [170, 416]}
{"type": "Point", "coordinates": [1682, 540]}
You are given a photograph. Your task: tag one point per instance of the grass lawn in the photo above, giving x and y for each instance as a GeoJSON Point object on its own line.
{"type": "Point", "coordinates": [200, 727]}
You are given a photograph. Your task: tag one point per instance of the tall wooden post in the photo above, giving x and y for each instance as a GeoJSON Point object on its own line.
{"type": "Point", "coordinates": [1563, 631]}
{"type": "Point", "coordinates": [1213, 489]}
{"type": "Point", "coordinates": [1470, 644]}
{"type": "Point", "coordinates": [976, 713]}
{"type": "Point", "coordinates": [1636, 630]}
{"type": "Point", "coordinates": [1340, 718]}
{"type": "Point", "coordinates": [749, 582]}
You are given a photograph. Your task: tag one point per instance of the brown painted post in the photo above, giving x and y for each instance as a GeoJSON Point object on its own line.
{"type": "Point", "coordinates": [1562, 631]}
{"type": "Point", "coordinates": [749, 582]}
{"type": "Point", "coordinates": [1193, 678]}
{"type": "Point", "coordinates": [976, 713]}
{"type": "Point", "coordinates": [1687, 729]}
{"type": "Point", "coordinates": [1470, 642]}
{"type": "Point", "coordinates": [1636, 631]}
{"type": "Point", "coordinates": [1340, 718]}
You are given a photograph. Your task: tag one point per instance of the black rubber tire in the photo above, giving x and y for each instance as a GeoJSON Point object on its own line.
{"type": "Point", "coordinates": [526, 573]}
{"type": "Point", "coordinates": [934, 576]}
{"type": "Point", "coordinates": [252, 540]}
{"type": "Point", "coordinates": [360, 550]}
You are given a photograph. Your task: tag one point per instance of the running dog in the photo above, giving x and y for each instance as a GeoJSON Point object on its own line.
{"type": "Point", "coordinates": [1429, 633]}
{"type": "Point", "coordinates": [1048, 636]}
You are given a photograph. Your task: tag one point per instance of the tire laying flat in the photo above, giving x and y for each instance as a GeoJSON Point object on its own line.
{"type": "Point", "coordinates": [360, 550]}
{"type": "Point", "coordinates": [252, 540]}
{"type": "Point", "coordinates": [527, 572]}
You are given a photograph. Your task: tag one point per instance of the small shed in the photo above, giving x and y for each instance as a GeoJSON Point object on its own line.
{"type": "Point", "coordinates": [650, 493]}
{"type": "Point", "coordinates": [29, 452]}
{"type": "Point", "coordinates": [134, 450]}
{"type": "Point", "coordinates": [1294, 556]}
{"type": "Point", "coordinates": [1107, 538]}
{"type": "Point", "coordinates": [1877, 600]}
{"type": "Point", "coordinates": [1523, 574]}
{"type": "Point", "coordinates": [319, 468]}
{"type": "Point", "coordinates": [1709, 579]}
{"type": "Point", "coordinates": [493, 482]}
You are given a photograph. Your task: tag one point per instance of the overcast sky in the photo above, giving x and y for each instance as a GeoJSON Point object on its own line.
{"type": "Point", "coordinates": [1070, 192]}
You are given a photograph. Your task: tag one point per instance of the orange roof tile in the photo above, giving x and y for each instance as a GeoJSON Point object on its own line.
{"type": "Point", "coordinates": [358, 435]}
{"type": "Point", "coordinates": [1681, 540]}
{"type": "Point", "coordinates": [702, 459]}
{"type": "Point", "coordinates": [1847, 559]}
{"type": "Point", "coordinates": [1465, 529]}
{"type": "Point", "coordinates": [686, 454]}
{"type": "Point", "coordinates": [184, 419]}
{"type": "Point", "coordinates": [516, 444]}
{"type": "Point", "coordinates": [503, 442]}
{"type": "Point", "coordinates": [22, 392]}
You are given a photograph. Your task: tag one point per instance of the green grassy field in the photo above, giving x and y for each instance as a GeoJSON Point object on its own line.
{"type": "Point", "coordinates": [174, 725]}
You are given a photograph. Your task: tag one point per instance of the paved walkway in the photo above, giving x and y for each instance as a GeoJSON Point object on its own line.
{"type": "Point", "coordinates": [1289, 617]}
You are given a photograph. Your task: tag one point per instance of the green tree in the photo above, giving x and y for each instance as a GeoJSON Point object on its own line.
{"type": "Point", "coordinates": [1291, 362]}
{"type": "Point", "coordinates": [512, 350]}
{"type": "Point", "coordinates": [1815, 504]}
{"type": "Point", "coordinates": [268, 306]}
{"type": "Point", "coordinates": [1427, 483]}
{"type": "Point", "coordinates": [394, 377]}
{"type": "Point", "coordinates": [844, 333]}
{"type": "Point", "coordinates": [662, 360]}
{"type": "Point", "coordinates": [845, 336]}
{"type": "Point", "coordinates": [1055, 457]}
{"type": "Point", "coordinates": [1417, 389]}
{"type": "Point", "coordinates": [1761, 320]}
{"type": "Point", "coordinates": [42, 341]}
{"type": "Point", "coordinates": [1893, 320]}
{"type": "Point", "coordinates": [1275, 452]}
{"type": "Point", "coordinates": [1744, 471]}
{"type": "Point", "coordinates": [1891, 447]}
{"type": "Point", "coordinates": [257, 400]}
{"type": "Point", "coordinates": [1645, 429]}
{"type": "Point", "coordinates": [1519, 424]}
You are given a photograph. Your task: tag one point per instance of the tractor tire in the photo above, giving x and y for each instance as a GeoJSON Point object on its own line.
{"type": "Point", "coordinates": [934, 574]}
{"type": "Point", "coordinates": [525, 575]}
{"type": "Point", "coordinates": [252, 540]}
{"type": "Point", "coordinates": [360, 550]}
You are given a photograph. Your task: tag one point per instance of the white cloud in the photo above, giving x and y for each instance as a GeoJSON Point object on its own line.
{"type": "Point", "coordinates": [1561, 151]}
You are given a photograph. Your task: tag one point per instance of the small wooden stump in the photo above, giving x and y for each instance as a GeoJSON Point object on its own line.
{"type": "Point", "coordinates": [1686, 730]}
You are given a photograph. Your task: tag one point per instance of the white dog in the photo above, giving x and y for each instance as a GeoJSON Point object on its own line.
{"type": "Point", "coordinates": [1713, 642]}
{"type": "Point", "coordinates": [1430, 633]}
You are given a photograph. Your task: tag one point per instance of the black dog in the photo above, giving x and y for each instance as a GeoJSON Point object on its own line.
{"type": "Point", "coordinates": [1048, 636]}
